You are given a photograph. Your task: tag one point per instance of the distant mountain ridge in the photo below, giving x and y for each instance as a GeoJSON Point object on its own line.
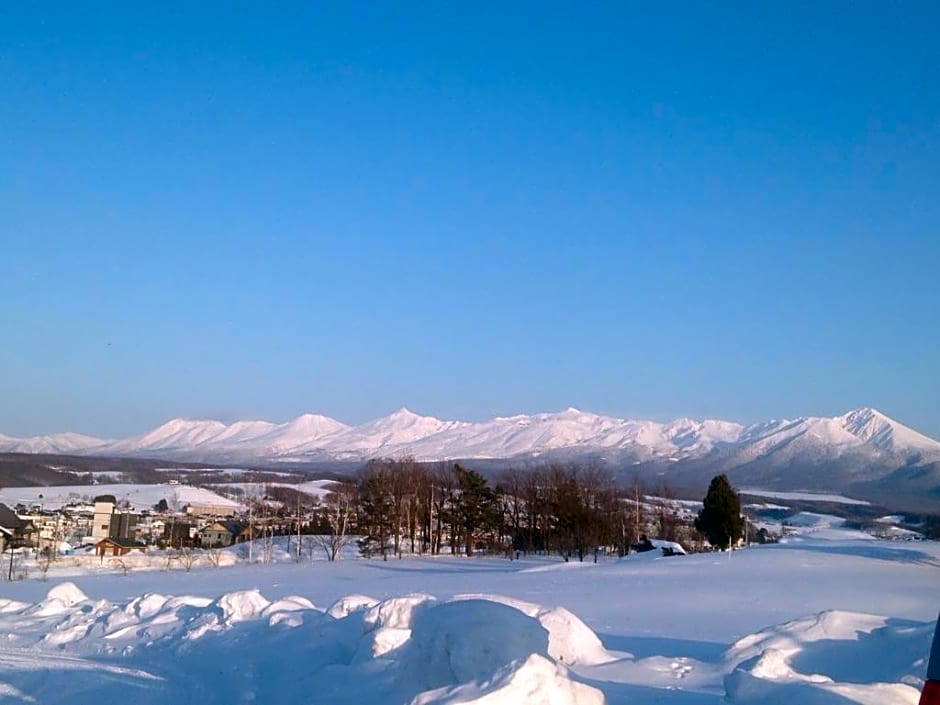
{"type": "Point", "coordinates": [862, 452]}
{"type": "Point", "coordinates": [863, 431]}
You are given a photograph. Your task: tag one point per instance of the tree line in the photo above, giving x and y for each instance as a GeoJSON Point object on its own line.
{"type": "Point", "coordinates": [402, 506]}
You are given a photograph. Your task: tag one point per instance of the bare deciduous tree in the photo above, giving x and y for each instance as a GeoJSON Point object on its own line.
{"type": "Point", "coordinates": [44, 562]}
{"type": "Point", "coordinates": [339, 512]}
{"type": "Point", "coordinates": [188, 557]}
{"type": "Point", "coordinates": [214, 556]}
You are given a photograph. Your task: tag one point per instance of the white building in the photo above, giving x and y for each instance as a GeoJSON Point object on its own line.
{"type": "Point", "coordinates": [109, 524]}
{"type": "Point", "coordinates": [104, 509]}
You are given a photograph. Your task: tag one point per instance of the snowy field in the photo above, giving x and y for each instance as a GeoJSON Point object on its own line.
{"type": "Point", "coordinates": [139, 496]}
{"type": "Point", "coordinates": [314, 488]}
{"type": "Point", "coordinates": [803, 496]}
{"type": "Point", "coordinates": [828, 618]}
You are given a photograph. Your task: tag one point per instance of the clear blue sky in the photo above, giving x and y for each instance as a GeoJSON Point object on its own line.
{"type": "Point", "coordinates": [232, 211]}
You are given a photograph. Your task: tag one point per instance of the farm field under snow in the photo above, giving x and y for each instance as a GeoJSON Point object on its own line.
{"type": "Point", "coordinates": [314, 488]}
{"type": "Point", "coordinates": [804, 496]}
{"type": "Point", "coordinates": [139, 496]}
{"type": "Point", "coordinates": [828, 618]}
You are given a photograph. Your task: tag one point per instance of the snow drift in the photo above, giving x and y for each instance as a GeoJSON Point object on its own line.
{"type": "Point", "coordinates": [820, 659]}
{"type": "Point", "coordinates": [416, 648]}
{"type": "Point", "coordinates": [241, 647]}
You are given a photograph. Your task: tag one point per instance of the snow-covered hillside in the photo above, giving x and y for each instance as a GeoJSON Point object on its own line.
{"type": "Point", "coordinates": [138, 497]}
{"type": "Point", "coordinates": [59, 443]}
{"type": "Point", "coordinates": [830, 616]}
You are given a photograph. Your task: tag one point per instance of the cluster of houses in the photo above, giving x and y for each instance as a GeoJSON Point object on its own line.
{"type": "Point", "coordinates": [113, 530]}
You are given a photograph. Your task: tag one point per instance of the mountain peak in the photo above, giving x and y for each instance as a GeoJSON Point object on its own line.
{"type": "Point", "coordinates": [406, 414]}
{"type": "Point", "coordinates": [865, 412]}
{"type": "Point", "coordinates": [308, 417]}
{"type": "Point", "coordinates": [315, 423]}
{"type": "Point", "coordinates": [863, 417]}
{"type": "Point", "coordinates": [883, 432]}
{"type": "Point", "coordinates": [180, 423]}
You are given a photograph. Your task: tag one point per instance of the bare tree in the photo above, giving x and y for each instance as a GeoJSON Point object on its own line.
{"type": "Point", "coordinates": [537, 516]}
{"type": "Point", "coordinates": [638, 519]}
{"type": "Point", "coordinates": [667, 521]}
{"type": "Point", "coordinates": [214, 556]}
{"type": "Point", "coordinates": [298, 518]}
{"type": "Point", "coordinates": [340, 508]}
{"type": "Point", "coordinates": [188, 557]}
{"type": "Point", "coordinates": [45, 562]}
{"type": "Point", "coordinates": [267, 534]}
{"type": "Point", "coordinates": [12, 560]}
{"type": "Point", "coordinates": [510, 489]}
{"type": "Point", "coordinates": [443, 486]}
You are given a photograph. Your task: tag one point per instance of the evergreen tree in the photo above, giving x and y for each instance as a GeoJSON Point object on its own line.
{"type": "Point", "coordinates": [474, 505]}
{"type": "Point", "coordinates": [375, 512]}
{"type": "Point", "coordinates": [720, 519]}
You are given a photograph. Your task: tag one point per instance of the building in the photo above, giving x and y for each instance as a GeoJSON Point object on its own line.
{"type": "Point", "coordinates": [117, 547]}
{"type": "Point", "coordinates": [220, 534]}
{"type": "Point", "coordinates": [14, 531]}
{"type": "Point", "coordinates": [50, 527]}
{"type": "Point", "coordinates": [109, 523]}
{"type": "Point", "coordinates": [104, 509]}
{"type": "Point", "coordinates": [179, 534]}
{"type": "Point", "coordinates": [214, 510]}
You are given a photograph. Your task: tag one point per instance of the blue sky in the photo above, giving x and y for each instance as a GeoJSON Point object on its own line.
{"type": "Point", "coordinates": [727, 210]}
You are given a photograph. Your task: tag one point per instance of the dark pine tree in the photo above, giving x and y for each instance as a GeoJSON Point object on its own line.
{"type": "Point", "coordinates": [720, 519]}
{"type": "Point", "coordinates": [475, 506]}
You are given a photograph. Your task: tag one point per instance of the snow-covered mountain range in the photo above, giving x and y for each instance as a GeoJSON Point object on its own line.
{"type": "Point", "coordinates": [859, 435]}
{"type": "Point", "coordinates": [862, 452]}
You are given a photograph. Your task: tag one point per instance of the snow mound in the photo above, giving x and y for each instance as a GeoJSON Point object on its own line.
{"type": "Point", "coordinates": [146, 605]}
{"type": "Point", "coordinates": [60, 599]}
{"type": "Point", "coordinates": [468, 640]}
{"type": "Point", "coordinates": [288, 604]}
{"type": "Point", "coordinates": [535, 681]}
{"type": "Point", "coordinates": [830, 657]}
{"type": "Point", "coordinates": [345, 606]}
{"type": "Point", "coordinates": [67, 593]}
{"type": "Point", "coordinates": [396, 613]}
{"type": "Point", "coordinates": [389, 624]}
{"type": "Point", "coordinates": [239, 606]}
{"type": "Point", "coordinates": [570, 641]}
{"type": "Point", "coordinates": [241, 647]}
{"type": "Point", "coordinates": [788, 638]}
{"type": "Point", "coordinates": [12, 606]}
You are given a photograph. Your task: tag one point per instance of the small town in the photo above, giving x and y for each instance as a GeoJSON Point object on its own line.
{"type": "Point", "coordinates": [100, 527]}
